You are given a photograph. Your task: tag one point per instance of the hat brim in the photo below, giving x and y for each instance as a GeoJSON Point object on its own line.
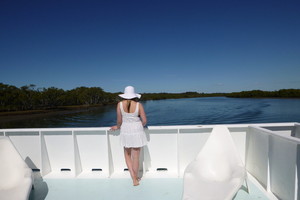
{"type": "Point", "coordinates": [130, 96]}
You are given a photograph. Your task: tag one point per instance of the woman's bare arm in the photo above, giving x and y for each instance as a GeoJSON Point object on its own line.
{"type": "Point", "coordinates": [142, 114]}
{"type": "Point", "coordinates": [119, 119]}
{"type": "Point", "coordinates": [119, 116]}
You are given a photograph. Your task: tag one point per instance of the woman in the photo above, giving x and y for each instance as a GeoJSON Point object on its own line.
{"type": "Point", "coordinates": [131, 119]}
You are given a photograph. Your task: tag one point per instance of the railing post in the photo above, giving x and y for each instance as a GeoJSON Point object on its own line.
{"type": "Point", "coordinates": [296, 183]}
{"type": "Point", "coordinates": [77, 160]}
{"type": "Point", "coordinates": [177, 151]}
{"type": "Point", "coordinates": [109, 155]}
{"type": "Point", "coordinates": [268, 177]}
{"type": "Point", "coordinates": [45, 162]}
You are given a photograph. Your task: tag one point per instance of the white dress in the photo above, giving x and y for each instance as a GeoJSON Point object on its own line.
{"type": "Point", "coordinates": [132, 132]}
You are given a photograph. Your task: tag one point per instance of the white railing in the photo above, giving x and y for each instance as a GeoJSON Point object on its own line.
{"type": "Point", "coordinates": [270, 152]}
{"type": "Point", "coordinates": [273, 159]}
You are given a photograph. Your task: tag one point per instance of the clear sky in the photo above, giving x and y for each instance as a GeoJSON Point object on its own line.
{"type": "Point", "coordinates": [154, 45]}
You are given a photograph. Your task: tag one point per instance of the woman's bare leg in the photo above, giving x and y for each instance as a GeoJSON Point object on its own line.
{"type": "Point", "coordinates": [135, 155]}
{"type": "Point", "coordinates": [129, 163]}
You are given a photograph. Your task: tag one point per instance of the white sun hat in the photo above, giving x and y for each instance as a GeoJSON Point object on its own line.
{"type": "Point", "coordinates": [129, 93]}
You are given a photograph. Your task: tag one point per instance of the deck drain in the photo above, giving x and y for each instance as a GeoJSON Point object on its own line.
{"type": "Point", "coordinates": [162, 169]}
{"type": "Point", "coordinates": [65, 169]}
{"type": "Point", "coordinates": [97, 170]}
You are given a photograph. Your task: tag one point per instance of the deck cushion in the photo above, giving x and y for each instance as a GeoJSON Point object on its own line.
{"type": "Point", "coordinates": [218, 172]}
{"type": "Point", "coordinates": [15, 175]}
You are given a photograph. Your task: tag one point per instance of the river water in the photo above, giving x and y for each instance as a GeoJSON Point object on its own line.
{"type": "Point", "coordinates": [193, 111]}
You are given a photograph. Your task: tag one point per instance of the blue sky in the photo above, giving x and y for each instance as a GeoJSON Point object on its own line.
{"type": "Point", "coordinates": [156, 46]}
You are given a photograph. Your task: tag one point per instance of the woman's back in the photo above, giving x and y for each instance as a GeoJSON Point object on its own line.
{"type": "Point", "coordinates": [132, 115]}
{"type": "Point", "coordinates": [132, 107]}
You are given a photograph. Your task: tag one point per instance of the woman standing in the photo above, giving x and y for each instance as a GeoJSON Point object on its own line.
{"type": "Point", "coordinates": [131, 119]}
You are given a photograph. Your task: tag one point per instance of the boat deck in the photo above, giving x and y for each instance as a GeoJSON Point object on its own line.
{"type": "Point", "coordinates": [88, 163]}
{"type": "Point", "coordinates": [122, 189]}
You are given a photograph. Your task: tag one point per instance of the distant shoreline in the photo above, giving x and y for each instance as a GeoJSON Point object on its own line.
{"type": "Point", "coordinates": [10, 116]}
{"type": "Point", "coordinates": [30, 114]}
{"type": "Point", "coordinates": [28, 100]}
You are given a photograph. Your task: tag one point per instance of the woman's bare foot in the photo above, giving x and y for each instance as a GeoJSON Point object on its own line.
{"type": "Point", "coordinates": [136, 182]}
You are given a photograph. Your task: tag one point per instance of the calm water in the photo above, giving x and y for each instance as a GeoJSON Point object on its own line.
{"type": "Point", "coordinates": [211, 110]}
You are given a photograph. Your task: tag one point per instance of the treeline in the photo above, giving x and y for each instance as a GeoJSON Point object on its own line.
{"type": "Point", "coordinates": [284, 93]}
{"type": "Point", "coordinates": [29, 98]}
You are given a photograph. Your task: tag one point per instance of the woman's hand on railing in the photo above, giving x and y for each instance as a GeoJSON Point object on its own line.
{"type": "Point", "coordinates": [114, 128]}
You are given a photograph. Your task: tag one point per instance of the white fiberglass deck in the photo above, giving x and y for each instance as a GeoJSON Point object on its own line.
{"type": "Point", "coordinates": [88, 163]}
{"type": "Point", "coordinates": [121, 189]}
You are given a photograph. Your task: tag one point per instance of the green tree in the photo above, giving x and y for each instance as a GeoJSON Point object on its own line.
{"type": "Point", "coordinates": [9, 97]}
{"type": "Point", "coordinates": [52, 97]}
{"type": "Point", "coordinates": [27, 97]}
